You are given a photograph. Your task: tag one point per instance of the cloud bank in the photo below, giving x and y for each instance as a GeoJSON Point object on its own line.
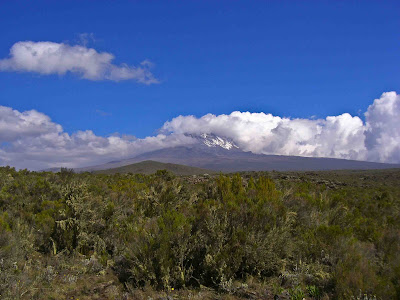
{"type": "Point", "coordinates": [31, 140]}
{"type": "Point", "coordinates": [343, 136]}
{"type": "Point", "coordinates": [58, 58]}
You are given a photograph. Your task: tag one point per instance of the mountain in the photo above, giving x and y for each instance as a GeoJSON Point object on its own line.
{"type": "Point", "coordinates": [214, 141]}
{"type": "Point", "coordinates": [150, 167]}
{"type": "Point", "coordinates": [221, 154]}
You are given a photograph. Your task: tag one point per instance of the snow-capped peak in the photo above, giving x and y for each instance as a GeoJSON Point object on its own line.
{"type": "Point", "coordinates": [211, 140]}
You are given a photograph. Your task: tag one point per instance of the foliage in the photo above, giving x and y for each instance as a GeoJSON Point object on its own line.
{"type": "Point", "coordinates": [316, 235]}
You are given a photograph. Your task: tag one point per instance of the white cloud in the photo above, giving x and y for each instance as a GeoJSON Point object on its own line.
{"type": "Point", "coordinates": [59, 58]}
{"type": "Point", "coordinates": [383, 128]}
{"type": "Point", "coordinates": [31, 140]}
{"type": "Point", "coordinates": [343, 136]}
{"type": "Point", "coordinates": [14, 124]}
{"type": "Point", "coordinates": [339, 136]}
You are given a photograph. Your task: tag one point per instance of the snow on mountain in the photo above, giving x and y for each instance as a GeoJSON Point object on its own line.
{"type": "Point", "coordinates": [213, 141]}
{"type": "Point", "coordinates": [216, 153]}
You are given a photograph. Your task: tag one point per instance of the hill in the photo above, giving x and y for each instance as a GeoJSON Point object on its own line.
{"type": "Point", "coordinates": [150, 167]}
{"type": "Point", "coordinates": [234, 161]}
{"type": "Point", "coordinates": [221, 154]}
{"type": "Point", "coordinates": [219, 159]}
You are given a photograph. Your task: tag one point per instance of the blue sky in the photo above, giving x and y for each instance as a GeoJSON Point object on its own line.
{"type": "Point", "coordinates": [75, 73]}
{"type": "Point", "coordinates": [290, 58]}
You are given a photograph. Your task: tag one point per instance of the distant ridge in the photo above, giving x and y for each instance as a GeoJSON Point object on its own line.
{"type": "Point", "coordinates": [149, 167]}
{"type": "Point", "coordinates": [234, 161]}
{"type": "Point", "coordinates": [216, 153]}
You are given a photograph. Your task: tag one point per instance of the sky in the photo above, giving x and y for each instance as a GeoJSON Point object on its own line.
{"type": "Point", "coordinates": [85, 82]}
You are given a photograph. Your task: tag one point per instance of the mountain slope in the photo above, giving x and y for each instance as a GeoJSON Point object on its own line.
{"type": "Point", "coordinates": [150, 167]}
{"type": "Point", "coordinates": [247, 161]}
{"type": "Point", "coordinates": [220, 154]}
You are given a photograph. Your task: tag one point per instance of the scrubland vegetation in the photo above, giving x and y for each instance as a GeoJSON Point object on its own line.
{"type": "Point", "coordinates": [319, 235]}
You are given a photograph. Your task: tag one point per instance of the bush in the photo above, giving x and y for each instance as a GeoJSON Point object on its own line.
{"type": "Point", "coordinates": [302, 234]}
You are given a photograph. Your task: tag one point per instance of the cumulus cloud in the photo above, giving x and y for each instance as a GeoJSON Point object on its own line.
{"type": "Point", "coordinates": [336, 136]}
{"type": "Point", "coordinates": [343, 136]}
{"type": "Point", "coordinates": [31, 140]}
{"type": "Point", "coordinates": [58, 58]}
{"type": "Point", "coordinates": [383, 129]}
